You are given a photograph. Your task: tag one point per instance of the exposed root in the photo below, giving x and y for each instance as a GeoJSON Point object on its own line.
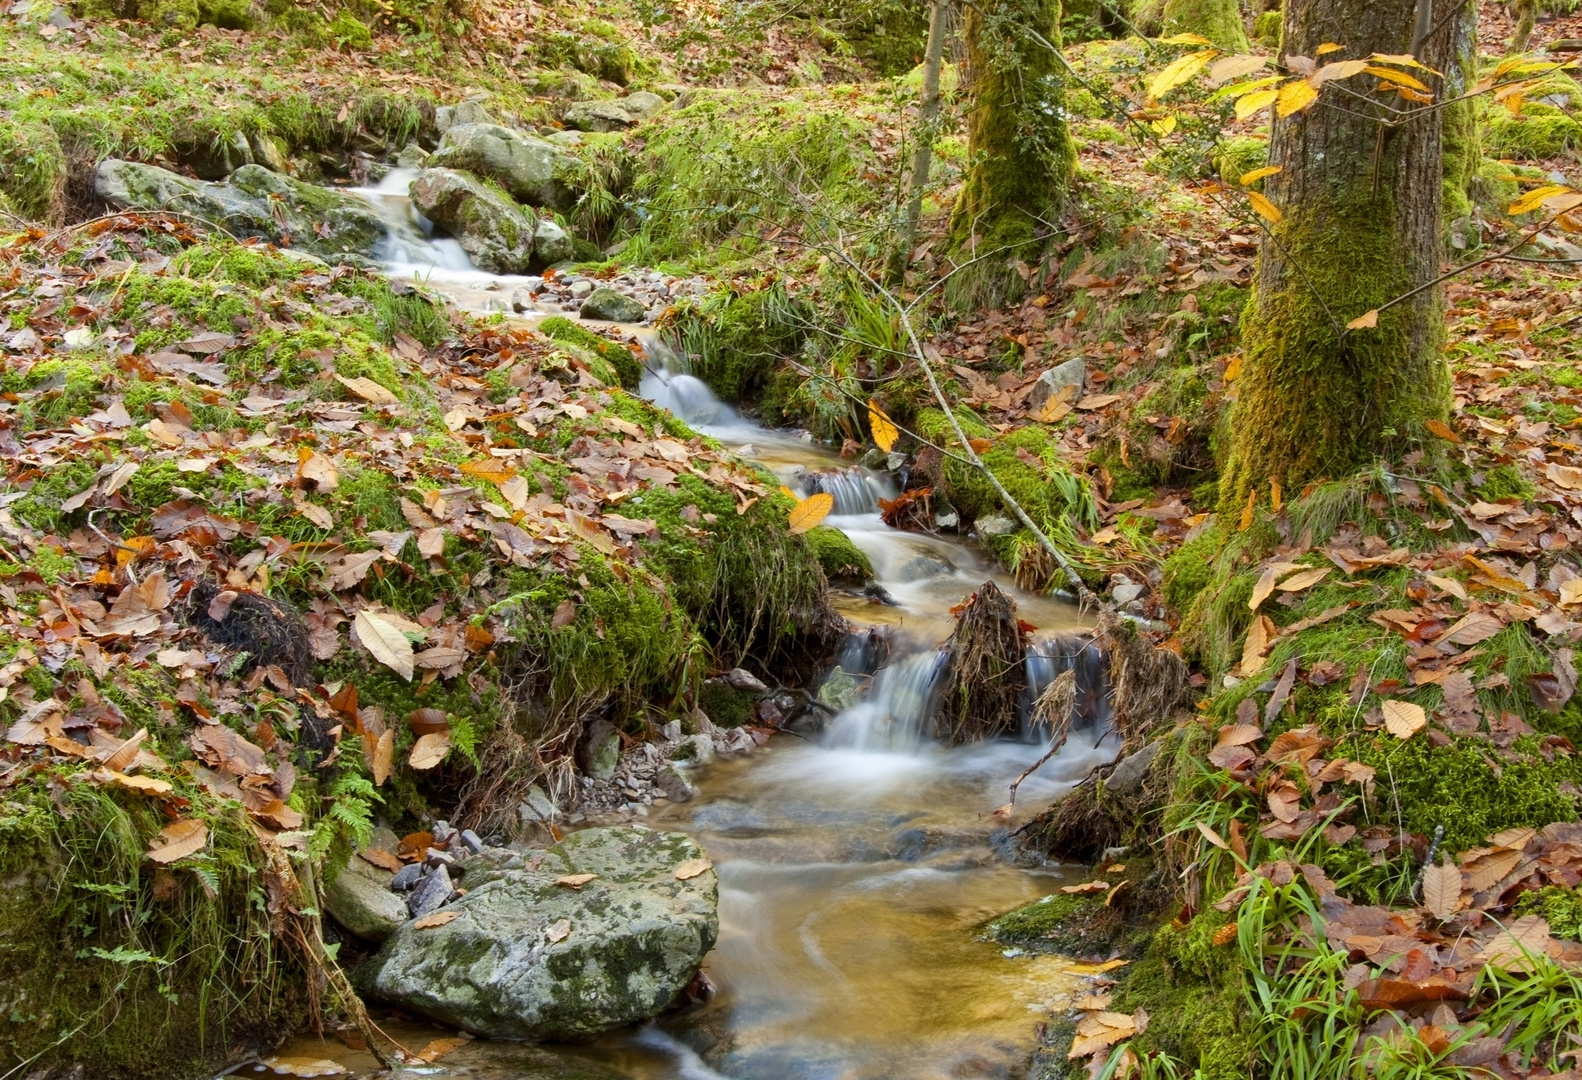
{"type": "Point", "coordinates": [263, 632]}
{"type": "Point", "coordinates": [987, 671]}
{"type": "Point", "coordinates": [1146, 682]}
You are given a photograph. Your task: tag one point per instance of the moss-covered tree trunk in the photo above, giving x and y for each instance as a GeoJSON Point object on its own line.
{"type": "Point", "coordinates": [1021, 150]}
{"type": "Point", "coordinates": [1361, 227]}
{"type": "Point", "coordinates": [1526, 12]}
{"type": "Point", "coordinates": [1217, 20]}
{"type": "Point", "coordinates": [1463, 148]}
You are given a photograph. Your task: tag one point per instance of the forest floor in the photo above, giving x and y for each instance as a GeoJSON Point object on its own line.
{"type": "Point", "coordinates": [1382, 667]}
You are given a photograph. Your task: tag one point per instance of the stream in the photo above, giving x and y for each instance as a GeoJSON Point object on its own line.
{"type": "Point", "coordinates": [854, 865]}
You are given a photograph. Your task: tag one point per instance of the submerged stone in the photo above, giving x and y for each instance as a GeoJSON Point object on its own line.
{"type": "Point", "coordinates": [530, 958]}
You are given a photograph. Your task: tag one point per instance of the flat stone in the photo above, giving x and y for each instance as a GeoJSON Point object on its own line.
{"type": "Point", "coordinates": [466, 112]}
{"type": "Point", "coordinates": [607, 305]}
{"type": "Point", "coordinates": [742, 679]}
{"type": "Point", "coordinates": [995, 525]}
{"type": "Point", "coordinates": [551, 243]}
{"type": "Point", "coordinates": [1072, 373]}
{"type": "Point", "coordinates": [1128, 775]}
{"type": "Point", "coordinates": [358, 897]}
{"type": "Point", "coordinates": [642, 103]}
{"type": "Point", "coordinates": [599, 116]}
{"type": "Point", "coordinates": [530, 959]}
{"type": "Point", "coordinates": [406, 877]}
{"type": "Point", "coordinates": [673, 786]}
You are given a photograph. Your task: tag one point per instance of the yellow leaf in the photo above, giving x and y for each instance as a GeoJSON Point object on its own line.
{"type": "Point", "coordinates": [1211, 836]}
{"type": "Point", "coordinates": [1295, 96]}
{"type": "Point", "coordinates": [692, 868]}
{"type": "Point", "coordinates": [1185, 39]}
{"type": "Point", "coordinates": [1441, 429]}
{"type": "Point", "coordinates": [1180, 72]}
{"type": "Point", "coordinates": [368, 390]}
{"type": "Point", "coordinates": [1342, 69]}
{"type": "Point", "coordinates": [574, 881]}
{"type": "Point", "coordinates": [1246, 513]}
{"type": "Point", "coordinates": [1252, 104]}
{"type": "Point", "coordinates": [1571, 592]}
{"type": "Point", "coordinates": [178, 840]}
{"type": "Point", "coordinates": [1402, 60]}
{"type": "Point", "coordinates": [429, 750]}
{"type": "Point", "coordinates": [494, 470]}
{"type": "Point", "coordinates": [1399, 78]}
{"type": "Point", "coordinates": [385, 641]}
{"type": "Point", "coordinates": [810, 511]}
{"type": "Point", "coordinates": [1327, 48]}
{"type": "Point", "coordinates": [384, 751]}
{"type": "Point", "coordinates": [1233, 369]}
{"type": "Point", "coordinates": [1274, 495]}
{"type": "Point", "coordinates": [1266, 209]}
{"type": "Point", "coordinates": [315, 472]}
{"type": "Point", "coordinates": [1535, 199]}
{"type": "Point", "coordinates": [1258, 174]}
{"type": "Point", "coordinates": [1404, 719]}
{"type": "Point", "coordinates": [1227, 68]}
{"type": "Point", "coordinates": [1243, 88]}
{"type": "Point", "coordinates": [1164, 126]}
{"type": "Point", "coordinates": [145, 784]}
{"type": "Point", "coordinates": [1364, 322]}
{"type": "Point", "coordinates": [882, 427]}
{"type": "Point", "coordinates": [1096, 969]}
{"type": "Point", "coordinates": [1260, 635]}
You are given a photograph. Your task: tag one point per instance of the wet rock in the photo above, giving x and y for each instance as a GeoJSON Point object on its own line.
{"type": "Point", "coordinates": [599, 753]}
{"type": "Point", "coordinates": [538, 806]}
{"type": "Point", "coordinates": [995, 525]}
{"type": "Point", "coordinates": [466, 112]}
{"type": "Point", "coordinates": [530, 959]}
{"type": "Point", "coordinates": [406, 877]}
{"type": "Point", "coordinates": [696, 750]}
{"type": "Point", "coordinates": [412, 156]}
{"type": "Point", "coordinates": [431, 893]}
{"type": "Point", "coordinates": [742, 679]}
{"type": "Point", "coordinates": [219, 159]}
{"type": "Point", "coordinates": [672, 785]}
{"type": "Point", "coordinates": [1072, 373]}
{"type": "Point", "coordinates": [522, 300]}
{"type": "Point", "coordinates": [839, 691]}
{"type": "Point", "coordinates": [253, 202]}
{"type": "Point", "coordinates": [599, 116]}
{"type": "Point", "coordinates": [551, 243]}
{"type": "Point", "coordinates": [565, 138]}
{"type": "Point", "coordinates": [524, 165]}
{"type": "Point", "coordinates": [947, 520]}
{"type": "Point", "coordinates": [610, 306]}
{"type": "Point", "coordinates": [358, 897]}
{"type": "Point", "coordinates": [494, 231]}
{"type": "Point", "coordinates": [267, 152]}
{"type": "Point", "coordinates": [1128, 775]}
{"type": "Point", "coordinates": [769, 712]}
{"type": "Point", "coordinates": [580, 289]}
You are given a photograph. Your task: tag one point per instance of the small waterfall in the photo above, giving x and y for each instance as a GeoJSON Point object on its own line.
{"type": "Point", "coordinates": [1048, 658]}
{"type": "Point", "coordinates": [855, 491]}
{"type": "Point", "coordinates": [898, 704]}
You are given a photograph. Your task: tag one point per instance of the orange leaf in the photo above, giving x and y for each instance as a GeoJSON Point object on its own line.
{"type": "Point", "coordinates": [1266, 209]}
{"type": "Point", "coordinates": [1364, 322]}
{"type": "Point", "coordinates": [883, 429]}
{"type": "Point", "coordinates": [810, 511]}
{"type": "Point", "coordinates": [1442, 429]}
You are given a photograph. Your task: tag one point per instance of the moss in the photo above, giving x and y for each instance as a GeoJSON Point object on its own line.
{"type": "Point", "coordinates": [1540, 133]}
{"type": "Point", "coordinates": [180, 15]}
{"type": "Point", "coordinates": [733, 341]}
{"type": "Point", "coordinates": [724, 705]}
{"type": "Point", "coordinates": [1505, 482]}
{"type": "Point", "coordinates": [1239, 155]}
{"type": "Point", "coordinates": [1188, 571]}
{"type": "Point", "coordinates": [32, 170]}
{"type": "Point", "coordinates": [347, 29]}
{"type": "Point", "coordinates": [1462, 143]}
{"type": "Point", "coordinates": [1073, 924]}
{"type": "Point", "coordinates": [626, 368]}
{"type": "Point", "coordinates": [1308, 405]}
{"type": "Point", "coordinates": [1562, 908]}
{"type": "Point", "coordinates": [840, 559]}
{"type": "Point", "coordinates": [1217, 20]}
{"type": "Point", "coordinates": [1269, 28]}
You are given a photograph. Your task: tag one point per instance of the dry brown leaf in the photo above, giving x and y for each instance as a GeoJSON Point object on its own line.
{"type": "Point", "coordinates": [1099, 1031]}
{"type": "Point", "coordinates": [1519, 946]}
{"type": "Point", "coordinates": [1092, 1002]}
{"type": "Point", "coordinates": [692, 868]}
{"type": "Point", "coordinates": [1086, 887]}
{"type": "Point", "coordinates": [1517, 838]}
{"type": "Point", "coordinates": [1260, 635]}
{"type": "Point", "coordinates": [438, 918]}
{"type": "Point", "coordinates": [1472, 628]}
{"type": "Point", "coordinates": [1305, 580]}
{"type": "Point", "coordinates": [575, 881]}
{"type": "Point", "coordinates": [1489, 867]}
{"type": "Point", "coordinates": [304, 1066]}
{"type": "Point", "coordinates": [1404, 719]}
{"type": "Point", "coordinates": [1442, 890]}
{"type": "Point", "coordinates": [1211, 836]}
{"type": "Point", "coordinates": [429, 750]}
{"type": "Point", "coordinates": [384, 753]}
{"type": "Point", "coordinates": [315, 472]}
{"type": "Point", "coordinates": [1239, 735]}
{"type": "Point", "coordinates": [381, 858]}
{"type": "Point", "coordinates": [384, 639]}
{"type": "Point", "coordinates": [146, 784]}
{"type": "Point", "coordinates": [178, 840]}
{"type": "Point", "coordinates": [368, 390]}
{"type": "Point", "coordinates": [558, 931]}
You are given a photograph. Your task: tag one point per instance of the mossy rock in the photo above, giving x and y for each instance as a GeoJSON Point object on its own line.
{"type": "Point", "coordinates": [841, 560]}
{"type": "Point", "coordinates": [734, 341]}
{"type": "Point", "coordinates": [726, 706]}
{"type": "Point", "coordinates": [32, 170]}
{"type": "Point", "coordinates": [627, 369]}
{"type": "Point", "coordinates": [1239, 155]}
{"type": "Point", "coordinates": [1070, 924]}
{"type": "Point", "coordinates": [1541, 132]}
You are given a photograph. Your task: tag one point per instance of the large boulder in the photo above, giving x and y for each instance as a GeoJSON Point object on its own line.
{"type": "Point", "coordinates": [254, 202]}
{"type": "Point", "coordinates": [536, 953]}
{"type": "Point", "coordinates": [599, 116]}
{"type": "Point", "coordinates": [551, 243]}
{"type": "Point", "coordinates": [492, 229]}
{"type": "Point", "coordinates": [607, 305]}
{"type": "Point", "coordinates": [524, 165]}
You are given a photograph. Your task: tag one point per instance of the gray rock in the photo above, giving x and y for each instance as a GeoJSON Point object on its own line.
{"type": "Point", "coordinates": [551, 243]}
{"type": "Point", "coordinates": [600, 752]}
{"type": "Point", "coordinates": [702, 749]}
{"type": "Point", "coordinates": [642, 104]}
{"type": "Point", "coordinates": [524, 165]}
{"type": "Point", "coordinates": [431, 893]}
{"type": "Point", "coordinates": [1072, 373]}
{"type": "Point", "coordinates": [495, 232]}
{"type": "Point", "coordinates": [435, 857]}
{"type": "Point", "coordinates": [538, 806]}
{"type": "Point", "coordinates": [1124, 590]}
{"type": "Point", "coordinates": [839, 691]}
{"type": "Point", "coordinates": [947, 519]}
{"type": "Point", "coordinates": [358, 897]}
{"type": "Point", "coordinates": [1128, 775]}
{"type": "Point", "coordinates": [219, 159]}
{"type": "Point", "coordinates": [412, 156]}
{"type": "Point", "coordinates": [742, 679]}
{"type": "Point", "coordinates": [894, 460]}
{"type": "Point", "coordinates": [995, 525]}
{"type": "Point", "coordinates": [267, 152]}
{"type": "Point", "coordinates": [530, 959]}
{"type": "Point", "coordinates": [466, 112]}
{"type": "Point", "coordinates": [672, 785]}
{"type": "Point", "coordinates": [599, 116]}
{"type": "Point", "coordinates": [580, 288]}
{"type": "Point", "coordinates": [406, 877]}
{"type": "Point", "coordinates": [253, 202]}
{"type": "Point", "coordinates": [610, 306]}
{"type": "Point", "coordinates": [565, 138]}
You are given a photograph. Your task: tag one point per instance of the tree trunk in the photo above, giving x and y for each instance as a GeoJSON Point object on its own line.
{"type": "Point", "coordinates": [1021, 150]}
{"type": "Point", "coordinates": [1526, 12]}
{"type": "Point", "coordinates": [1361, 227]}
{"type": "Point", "coordinates": [1463, 148]}
{"type": "Point", "coordinates": [1217, 20]}
{"type": "Point", "coordinates": [927, 121]}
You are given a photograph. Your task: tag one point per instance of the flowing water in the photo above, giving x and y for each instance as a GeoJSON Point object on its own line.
{"type": "Point", "coordinates": [856, 865]}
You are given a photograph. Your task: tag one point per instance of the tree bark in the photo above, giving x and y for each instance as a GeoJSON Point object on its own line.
{"type": "Point", "coordinates": [928, 117]}
{"type": "Point", "coordinates": [1463, 147]}
{"type": "Point", "coordinates": [1360, 227]}
{"type": "Point", "coordinates": [1217, 20]}
{"type": "Point", "coordinates": [1022, 155]}
{"type": "Point", "coordinates": [1526, 12]}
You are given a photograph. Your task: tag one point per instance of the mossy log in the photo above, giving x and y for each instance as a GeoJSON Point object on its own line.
{"type": "Point", "coordinates": [1361, 227]}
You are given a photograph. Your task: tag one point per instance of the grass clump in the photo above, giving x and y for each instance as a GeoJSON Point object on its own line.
{"type": "Point", "coordinates": [733, 341]}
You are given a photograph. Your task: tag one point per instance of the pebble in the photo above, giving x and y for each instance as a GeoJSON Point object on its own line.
{"type": "Point", "coordinates": [436, 857]}
{"type": "Point", "coordinates": [471, 842]}
{"type": "Point", "coordinates": [431, 894]}
{"type": "Point", "coordinates": [406, 877]}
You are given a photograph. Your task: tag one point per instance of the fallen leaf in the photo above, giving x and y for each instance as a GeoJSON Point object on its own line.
{"type": "Point", "coordinates": [179, 839]}
{"type": "Point", "coordinates": [1305, 580]}
{"type": "Point", "coordinates": [1404, 719]}
{"type": "Point", "coordinates": [558, 931]}
{"type": "Point", "coordinates": [438, 918]}
{"type": "Point", "coordinates": [315, 472]}
{"type": "Point", "coordinates": [882, 428]}
{"type": "Point", "coordinates": [692, 868]}
{"type": "Point", "coordinates": [438, 1048]}
{"type": "Point", "coordinates": [1364, 322]}
{"type": "Point", "coordinates": [1086, 887]}
{"type": "Point", "coordinates": [303, 1066]}
{"type": "Point", "coordinates": [809, 512]}
{"type": "Point", "coordinates": [381, 858]}
{"type": "Point", "coordinates": [1442, 890]}
{"type": "Point", "coordinates": [429, 750]}
{"type": "Point", "coordinates": [146, 784]}
{"type": "Point", "coordinates": [1096, 969]}
{"type": "Point", "coordinates": [384, 752]}
{"type": "Point", "coordinates": [1099, 1031]}
{"type": "Point", "coordinates": [575, 881]}
{"type": "Point", "coordinates": [368, 390]}
{"type": "Point", "coordinates": [385, 641]}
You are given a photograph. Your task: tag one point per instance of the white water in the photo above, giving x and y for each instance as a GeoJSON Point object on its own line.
{"type": "Point", "coordinates": [853, 869]}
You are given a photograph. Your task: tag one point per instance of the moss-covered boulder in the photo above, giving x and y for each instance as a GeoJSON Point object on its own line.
{"type": "Point", "coordinates": [527, 167]}
{"type": "Point", "coordinates": [254, 202]}
{"type": "Point", "coordinates": [495, 232]}
{"type": "Point", "coordinates": [842, 560]}
{"type": "Point", "coordinates": [528, 958]}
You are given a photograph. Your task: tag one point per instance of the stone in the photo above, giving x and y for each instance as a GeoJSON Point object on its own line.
{"type": "Point", "coordinates": [565, 138]}
{"type": "Point", "coordinates": [1072, 373]}
{"type": "Point", "coordinates": [580, 288]}
{"type": "Point", "coordinates": [254, 202]}
{"type": "Point", "coordinates": [267, 152]}
{"type": "Point", "coordinates": [672, 785]}
{"type": "Point", "coordinates": [839, 691]}
{"type": "Point", "coordinates": [599, 116]}
{"type": "Point", "coordinates": [642, 104]}
{"type": "Point", "coordinates": [742, 679]}
{"type": "Point", "coordinates": [406, 877]}
{"type": "Point", "coordinates": [471, 841]}
{"type": "Point", "coordinates": [431, 893]}
{"type": "Point", "coordinates": [538, 806]}
{"type": "Point", "coordinates": [466, 112]}
{"type": "Point", "coordinates": [358, 897]}
{"type": "Point", "coordinates": [524, 165]}
{"type": "Point", "coordinates": [494, 232]}
{"type": "Point", "coordinates": [994, 525]}
{"type": "Point", "coordinates": [551, 243]}
{"type": "Point", "coordinates": [218, 159]}
{"type": "Point", "coordinates": [533, 960]}
{"type": "Point", "coordinates": [599, 753]}
{"type": "Point", "coordinates": [1128, 775]}
{"type": "Point", "coordinates": [947, 520]}
{"type": "Point", "coordinates": [1124, 590]}
{"type": "Point", "coordinates": [702, 749]}
{"type": "Point", "coordinates": [607, 305]}
{"type": "Point", "coordinates": [671, 730]}
{"type": "Point", "coordinates": [412, 156]}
